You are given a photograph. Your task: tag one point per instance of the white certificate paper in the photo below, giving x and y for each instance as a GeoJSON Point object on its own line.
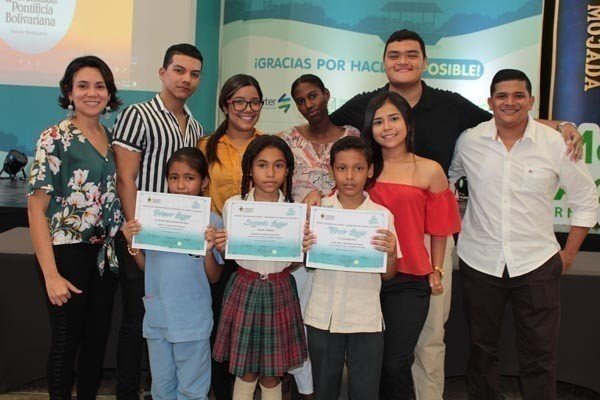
{"type": "Point", "coordinates": [344, 240]}
{"type": "Point", "coordinates": [265, 231]}
{"type": "Point", "coordinates": [172, 222]}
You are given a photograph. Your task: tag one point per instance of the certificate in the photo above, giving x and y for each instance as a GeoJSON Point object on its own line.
{"type": "Point", "coordinates": [172, 222]}
{"type": "Point", "coordinates": [344, 240]}
{"type": "Point", "coordinates": [267, 231]}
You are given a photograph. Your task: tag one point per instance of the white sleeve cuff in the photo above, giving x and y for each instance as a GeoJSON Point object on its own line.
{"type": "Point", "coordinates": [586, 219]}
{"type": "Point", "coordinates": [126, 146]}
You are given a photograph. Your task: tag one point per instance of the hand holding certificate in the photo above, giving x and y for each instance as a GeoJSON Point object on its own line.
{"type": "Point", "coordinates": [264, 230]}
{"type": "Point", "coordinates": [172, 222]}
{"type": "Point", "coordinates": [344, 240]}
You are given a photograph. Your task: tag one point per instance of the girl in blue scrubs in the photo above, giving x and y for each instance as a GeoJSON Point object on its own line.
{"type": "Point", "coordinates": [178, 319]}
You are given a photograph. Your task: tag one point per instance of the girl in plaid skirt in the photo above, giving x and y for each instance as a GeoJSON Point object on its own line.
{"type": "Point", "coordinates": [261, 331]}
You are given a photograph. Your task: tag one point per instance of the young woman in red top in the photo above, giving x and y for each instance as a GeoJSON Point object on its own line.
{"type": "Point", "coordinates": [415, 190]}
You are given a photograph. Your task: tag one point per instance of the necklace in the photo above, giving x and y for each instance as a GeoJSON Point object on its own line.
{"type": "Point", "coordinates": [321, 149]}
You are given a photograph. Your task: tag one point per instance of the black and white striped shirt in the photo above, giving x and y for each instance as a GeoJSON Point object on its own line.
{"type": "Point", "coordinates": [151, 129]}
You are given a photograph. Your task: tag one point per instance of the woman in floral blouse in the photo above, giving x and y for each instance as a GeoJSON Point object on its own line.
{"type": "Point", "coordinates": [74, 214]}
{"type": "Point", "coordinates": [311, 144]}
{"type": "Point", "coordinates": [312, 141]}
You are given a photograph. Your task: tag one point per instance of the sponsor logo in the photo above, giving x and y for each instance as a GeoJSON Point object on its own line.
{"type": "Point", "coordinates": [282, 102]}
{"type": "Point", "coordinates": [244, 209]}
{"type": "Point", "coordinates": [327, 217]}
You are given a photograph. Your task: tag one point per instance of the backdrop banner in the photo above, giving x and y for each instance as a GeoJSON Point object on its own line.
{"type": "Point", "coordinates": [468, 41]}
{"type": "Point", "coordinates": [576, 85]}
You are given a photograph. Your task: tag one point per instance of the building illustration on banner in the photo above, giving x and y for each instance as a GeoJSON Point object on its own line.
{"type": "Point", "coordinates": [278, 40]}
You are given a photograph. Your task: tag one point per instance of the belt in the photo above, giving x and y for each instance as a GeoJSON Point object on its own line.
{"type": "Point", "coordinates": [246, 273]}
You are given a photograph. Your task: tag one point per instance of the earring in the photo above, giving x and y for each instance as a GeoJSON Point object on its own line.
{"type": "Point", "coordinates": [106, 112]}
{"type": "Point", "coordinates": [70, 110]}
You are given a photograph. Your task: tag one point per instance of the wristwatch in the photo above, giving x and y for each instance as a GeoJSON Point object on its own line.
{"type": "Point", "coordinates": [562, 124]}
{"type": "Point", "coordinates": [438, 269]}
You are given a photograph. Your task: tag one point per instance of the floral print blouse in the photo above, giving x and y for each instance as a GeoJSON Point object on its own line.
{"type": "Point", "coordinates": [84, 207]}
{"type": "Point", "coordinates": [311, 163]}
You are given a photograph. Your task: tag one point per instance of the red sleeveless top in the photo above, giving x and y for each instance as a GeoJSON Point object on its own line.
{"type": "Point", "coordinates": [417, 212]}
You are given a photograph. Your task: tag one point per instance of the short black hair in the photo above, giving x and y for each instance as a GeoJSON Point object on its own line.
{"type": "Point", "coordinates": [509, 75]}
{"type": "Point", "coordinates": [66, 83]}
{"type": "Point", "coordinates": [182, 48]}
{"type": "Point", "coordinates": [351, 143]}
{"type": "Point", "coordinates": [405, 34]}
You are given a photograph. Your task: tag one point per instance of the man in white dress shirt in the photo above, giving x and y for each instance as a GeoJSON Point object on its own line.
{"type": "Point", "coordinates": [507, 249]}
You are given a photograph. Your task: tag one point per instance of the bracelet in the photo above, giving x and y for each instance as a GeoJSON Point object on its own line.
{"type": "Point", "coordinates": [438, 269]}
{"type": "Point", "coordinates": [132, 252]}
{"type": "Point", "coordinates": [561, 125]}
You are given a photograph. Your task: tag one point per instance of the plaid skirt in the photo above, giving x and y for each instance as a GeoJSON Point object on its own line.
{"type": "Point", "coordinates": [261, 329]}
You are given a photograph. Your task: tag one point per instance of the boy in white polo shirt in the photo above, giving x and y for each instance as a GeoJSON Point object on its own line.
{"type": "Point", "coordinates": [343, 314]}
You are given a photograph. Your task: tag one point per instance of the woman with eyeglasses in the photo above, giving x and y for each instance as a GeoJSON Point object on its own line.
{"type": "Point", "coordinates": [241, 101]}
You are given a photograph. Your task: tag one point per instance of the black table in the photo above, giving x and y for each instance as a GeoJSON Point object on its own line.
{"type": "Point", "coordinates": [25, 332]}
{"type": "Point", "coordinates": [24, 326]}
{"type": "Point", "coordinates": [578, 346]}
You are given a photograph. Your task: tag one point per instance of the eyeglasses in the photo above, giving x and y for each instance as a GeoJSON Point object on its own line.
{"type": "Point", "coordinates": [241, 105]}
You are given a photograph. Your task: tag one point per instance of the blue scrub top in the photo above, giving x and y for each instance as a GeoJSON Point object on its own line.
{"type": "Point", "coordinates": [178, 301]}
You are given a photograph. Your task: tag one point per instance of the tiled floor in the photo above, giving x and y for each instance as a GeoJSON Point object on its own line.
{"type": "Point", "coordinates": [455, 390]}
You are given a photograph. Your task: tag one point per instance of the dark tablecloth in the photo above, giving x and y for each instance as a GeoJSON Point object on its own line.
{"type": "Point", "coordinates": [25, 331]}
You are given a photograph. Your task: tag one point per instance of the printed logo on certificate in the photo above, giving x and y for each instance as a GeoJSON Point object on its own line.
{"type": "Point", "coordinates": [344, 240]}
{"type": "Point", "coordinates": [265, 231]}
{"type": "Point", "coordinates": [172, 222]}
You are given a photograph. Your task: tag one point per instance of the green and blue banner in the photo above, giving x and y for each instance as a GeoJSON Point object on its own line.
{"type": "Point", "coordinates": [468, 41]}
{"type": "Point", "coordinates": [576, 86]}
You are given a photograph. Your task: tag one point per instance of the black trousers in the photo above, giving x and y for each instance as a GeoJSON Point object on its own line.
{"type": "Point", "coordinates": [221, 380]}
{"type": "Point", "coordinates": [131, 342]}
{"type": "Point", "coordinates": [82, 324]}
{"type": "Point", "coordinates": [328, 351]}
{"type": "Point", "coordinates": [535, 299]}
{"type": "Point", "coordinates": [405, 304]}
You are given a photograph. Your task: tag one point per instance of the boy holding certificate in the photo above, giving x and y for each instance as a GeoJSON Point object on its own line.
{"type": "Point", "coordinates": [343, 315]}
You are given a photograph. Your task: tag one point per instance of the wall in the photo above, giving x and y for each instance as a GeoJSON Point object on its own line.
{"type": "Point", "coordinates": [25, 111]}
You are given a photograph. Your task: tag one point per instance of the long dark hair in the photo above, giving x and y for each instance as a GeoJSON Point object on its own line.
{"type": "Point", "coordinates": [193, 157]}
{"type": "Point", "coordinates": [367, 132]}
{"type": "Point", "coordinates": [229, 88]}
{"type": "Point", "coordinates": [254, 148]}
